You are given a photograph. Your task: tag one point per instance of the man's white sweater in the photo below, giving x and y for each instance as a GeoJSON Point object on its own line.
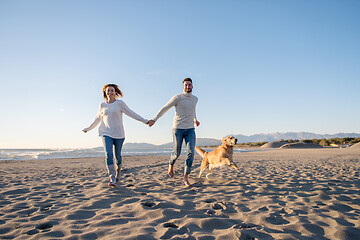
{"type": "Point", "coordinates": [185, 110]}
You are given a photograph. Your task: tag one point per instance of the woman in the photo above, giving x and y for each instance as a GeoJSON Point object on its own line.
{"type": "Point", "coordinates": [111, 128]}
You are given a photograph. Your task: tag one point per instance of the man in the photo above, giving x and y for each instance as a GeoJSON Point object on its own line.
{"type": "Point", "coordinates": [184, 120]}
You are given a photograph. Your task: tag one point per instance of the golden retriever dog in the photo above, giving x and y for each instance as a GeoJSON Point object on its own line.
{"type": "Point", "coordinates": [221, 156]}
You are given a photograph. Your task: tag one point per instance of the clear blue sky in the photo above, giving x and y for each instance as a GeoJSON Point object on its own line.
{"type": "Point", "coordinates": [259, 66]}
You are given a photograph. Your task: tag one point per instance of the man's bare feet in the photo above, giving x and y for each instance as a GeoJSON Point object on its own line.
{"type": "Point", "coordinates": [186, 180]}
{"type": "Point", "coordinates": [187, 184]}
{"type": "Point", "coordinates": [171, 170]}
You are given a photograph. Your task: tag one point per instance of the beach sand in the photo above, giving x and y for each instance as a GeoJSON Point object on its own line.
{"type": "Point", "coordinates": [277, 194]}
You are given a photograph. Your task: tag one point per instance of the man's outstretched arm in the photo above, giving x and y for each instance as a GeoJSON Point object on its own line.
{"type": "Point", "coordinates": [163, 110]}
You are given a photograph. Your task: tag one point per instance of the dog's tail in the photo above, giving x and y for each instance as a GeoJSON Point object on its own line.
{"type": "Point", "coordinates": [201, 152]}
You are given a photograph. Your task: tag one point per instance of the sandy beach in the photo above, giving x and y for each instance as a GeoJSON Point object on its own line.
{"type": "Point", "coordinates": [277, 194]}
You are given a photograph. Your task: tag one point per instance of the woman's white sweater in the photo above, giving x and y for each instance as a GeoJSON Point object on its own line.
{"type": "Point", "coordinates": [111, 117]}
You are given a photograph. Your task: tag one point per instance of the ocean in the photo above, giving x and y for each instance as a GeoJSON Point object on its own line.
{"type": "Point", "coordinates": [33, 154]}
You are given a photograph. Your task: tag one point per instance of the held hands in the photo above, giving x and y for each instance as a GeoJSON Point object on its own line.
{"type": "Point", "coordinates": [150, 123]}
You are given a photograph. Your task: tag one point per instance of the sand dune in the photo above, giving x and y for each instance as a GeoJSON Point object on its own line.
{"type": "Point", "coordinates": [278, 194]}
{"type": "Point", "coordinates": [298, 145]}
{"type": "Point", "coordinates": [274, 144]}
{"type": "Point", "coordinates": [356, 145]}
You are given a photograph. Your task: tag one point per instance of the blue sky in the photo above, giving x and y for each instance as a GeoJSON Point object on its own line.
{"type": "Point", "coordinates": [258, 67]}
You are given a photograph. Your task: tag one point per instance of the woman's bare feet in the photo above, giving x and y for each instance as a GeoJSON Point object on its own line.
{"type": "Point", "coordinates": [118, 170]}
{"type": "Point", "coordinates": [110, 184]}
{"type": "Point", "coordinates": [171, 170]}
{"type": "Point", "coordinates": [186, 180]}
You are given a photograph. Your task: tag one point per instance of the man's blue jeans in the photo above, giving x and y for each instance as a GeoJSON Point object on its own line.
{"type": "Point", "coordinates": [190, 140]}
{"type": "Point", "coordinates": [111, 146]}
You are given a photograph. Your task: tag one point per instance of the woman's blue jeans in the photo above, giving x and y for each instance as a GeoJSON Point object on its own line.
{"type": "Point", "coordinates": [111, 146]}
{"type": "Point", "coordinates": [190, 140]}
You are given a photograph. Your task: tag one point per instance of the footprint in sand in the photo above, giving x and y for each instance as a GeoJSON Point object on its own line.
{"type": "Point", "coordinates": [46, 207]}
{"type": "Point", "coordinates": [276, 220]}
{"type": "Point", "coordinates": [244, 226]}
{"type": "Point", "coordinates": [263, 209]}
{"type": "Point", "coordinates": [78, 215]}
{"type": "Point", "coordinates": [148, 204]}
{"type": "Point", "coordinates": [315, 229]}
{"type": "Point", "coordinates": [32, 232]}
{"type": "Point", "coordinates": [341, 207]}
{"type": "Point", "coordinates": [43, 226]}
{"type": "Point", "coordinates": [170, 225]}
{"type": "Point", "coordinates": [208, 224]}
{"type": "Point", "coordinates": [217, 206]}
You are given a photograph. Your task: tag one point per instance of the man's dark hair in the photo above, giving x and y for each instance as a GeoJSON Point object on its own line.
{"type": "Point", "coordinates": [187, 80]}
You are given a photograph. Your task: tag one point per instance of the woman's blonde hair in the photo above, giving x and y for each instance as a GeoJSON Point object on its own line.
{"type": "Point", "coordinates": [117, 90]}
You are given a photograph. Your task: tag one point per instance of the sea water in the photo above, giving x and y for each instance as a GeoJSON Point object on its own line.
{"type": "Point", "coordinates": [33, 154]}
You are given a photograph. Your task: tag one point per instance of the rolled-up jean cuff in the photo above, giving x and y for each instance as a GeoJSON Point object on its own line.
{"type": "Point", "coordinates": [187, 170]}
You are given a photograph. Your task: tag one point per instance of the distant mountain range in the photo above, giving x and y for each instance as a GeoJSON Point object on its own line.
{"type": "Point", "coordinates": [199, 142]}
{"type": "Point", "coordinates": [273, 137]}
{"type": "Point", "coordinates": [270, 137]}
